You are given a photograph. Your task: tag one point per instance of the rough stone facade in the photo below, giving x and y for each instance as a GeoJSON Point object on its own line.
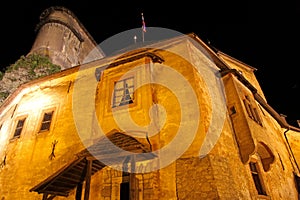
{"type": "Point", "coordinates": [24, 70]}
{"type": "Point", "coordinates": [240, 147]}
{"type": "Point", "coordinates": [63, 38]}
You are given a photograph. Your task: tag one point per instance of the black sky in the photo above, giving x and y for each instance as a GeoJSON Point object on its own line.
{"type": "Point", "coordinates": [263, 35]}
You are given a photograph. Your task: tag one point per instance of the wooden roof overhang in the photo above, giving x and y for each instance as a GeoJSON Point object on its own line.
{"type": "Point", "coordinates": [67, 178]}
{"type": "Point", "coordinates": [116, 148]}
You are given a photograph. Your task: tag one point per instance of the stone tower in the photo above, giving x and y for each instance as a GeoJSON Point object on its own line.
{"type": "Point", "coordinates": [62, 38]}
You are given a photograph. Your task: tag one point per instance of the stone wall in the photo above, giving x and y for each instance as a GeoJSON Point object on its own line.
{"type": "Point", "coordinates": [195, 179]}
{"type": "Point", "coordinates": [64, 39]}
{"type": "Point", "coordinates": [222, 173]}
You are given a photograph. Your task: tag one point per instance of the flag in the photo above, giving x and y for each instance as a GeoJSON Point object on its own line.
{"type": "Point", "coordinates": [143, 24]}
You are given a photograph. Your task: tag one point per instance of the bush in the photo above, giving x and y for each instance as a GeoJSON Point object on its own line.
{"type": "Point", "coordinates": [37, 65]}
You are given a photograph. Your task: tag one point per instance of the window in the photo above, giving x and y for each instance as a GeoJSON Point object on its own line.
{"type": "Point", "coordinates": [256, 178]}
{"type": "Point", "coordinates": [252, 111]}
{"type": "Point", "coordinates": [297, 182]}
{"type": "Point", "coordinates": [232, 110]}
{"type": "Point", "coordinates": [45, 126]}
{"type": "Point", "coordinates": [19, 127]}
{"type": "Point", "coordinates": [123, 92]}
{"type": "Point", "coordinates": [1, 126]}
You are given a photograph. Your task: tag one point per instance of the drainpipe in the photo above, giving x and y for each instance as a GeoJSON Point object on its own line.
{"type": "Point", "coordinates": [290, 150]}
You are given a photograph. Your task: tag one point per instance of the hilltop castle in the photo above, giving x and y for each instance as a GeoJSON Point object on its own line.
{"type": "Point", "coordinates": [174, 119]}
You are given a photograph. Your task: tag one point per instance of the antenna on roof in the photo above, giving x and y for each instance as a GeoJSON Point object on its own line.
{"type": "Point", "coordinates": [135, 39]}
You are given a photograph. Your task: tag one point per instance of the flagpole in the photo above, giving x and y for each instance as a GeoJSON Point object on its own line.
{"type": "Point", "coordinates": [143, 27]}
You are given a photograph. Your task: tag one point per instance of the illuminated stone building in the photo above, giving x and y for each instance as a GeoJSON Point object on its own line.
{"type": "Point", "coordinates": [174, 119]}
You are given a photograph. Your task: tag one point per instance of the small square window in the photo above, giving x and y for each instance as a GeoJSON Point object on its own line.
{"type": "Point", "coordinates": [47, 118]}
{"type": "Point", "coordinates": [123, 92]}
{"type": "Point", "coordinates": [19, 127]}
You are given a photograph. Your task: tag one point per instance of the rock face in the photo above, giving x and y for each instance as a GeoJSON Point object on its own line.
{"type": "Point", "coordinates": [62, 42]}
{"type": "Point", "coordinates": [23, 70]}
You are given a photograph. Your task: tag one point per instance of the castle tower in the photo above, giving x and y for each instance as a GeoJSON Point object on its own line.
{"type": "Point", "coordinates": [62, 38]}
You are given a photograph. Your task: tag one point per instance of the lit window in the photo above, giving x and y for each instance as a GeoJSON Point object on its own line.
{"type": "Point", "coordinates": [123, 92]}
{"type": "Point", "coordinates": [19, 128]}
{"type": "Point", "coordinates": [256, 178]}
{"type": "Point", "coordinates": [45, 126]}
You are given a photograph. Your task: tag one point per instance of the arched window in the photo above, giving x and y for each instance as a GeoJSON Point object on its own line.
{"type": "Point", "coordinates": [266, 155]}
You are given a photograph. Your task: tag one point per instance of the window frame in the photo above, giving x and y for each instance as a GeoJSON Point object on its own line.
{"type": "Point", "coordinates": [124, 81]}
{"type": "Point", "coordinates": [19, 129]}
{"type": "Point", "coordinates": [46, 121]}
{"type": "Point", "coordinates": [257, 178]}
{"type": "Point", "coordinates": [38, 128]}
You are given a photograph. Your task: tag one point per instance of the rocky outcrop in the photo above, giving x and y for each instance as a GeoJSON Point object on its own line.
{"type": "Point", "coordinates": [62, 42]}
{"type": "Point", "coordinates": [23, 70]}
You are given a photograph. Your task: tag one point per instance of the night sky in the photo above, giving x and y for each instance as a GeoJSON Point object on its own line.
{"type": "Point", "coordinates": [262, 35]}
